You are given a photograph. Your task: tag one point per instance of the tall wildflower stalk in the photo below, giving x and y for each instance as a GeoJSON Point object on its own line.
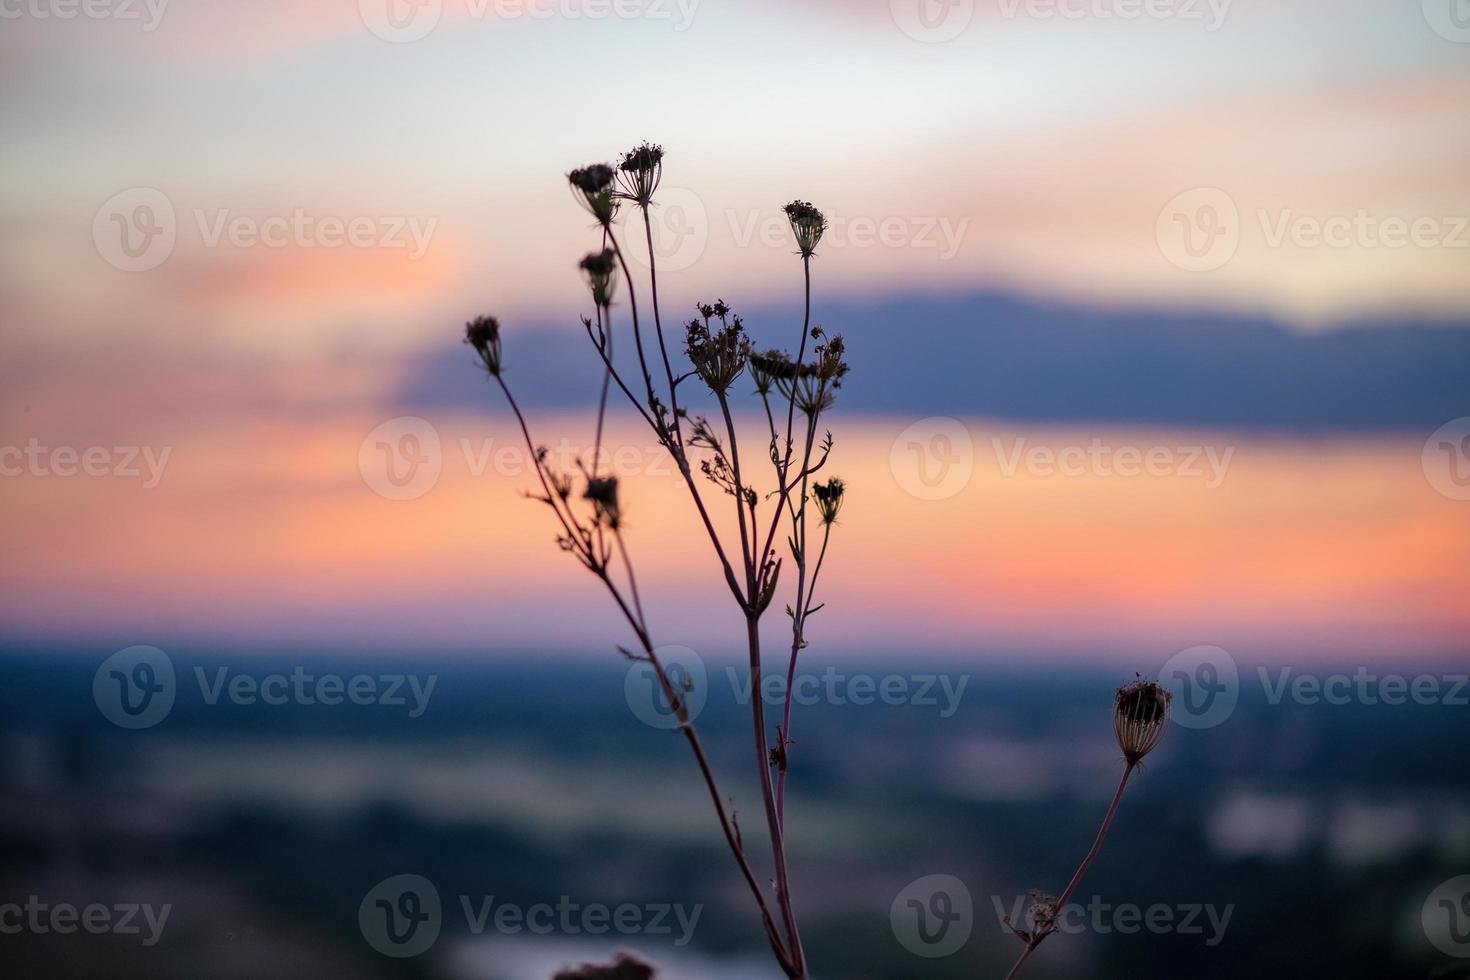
{"type": "Point", "coordinates": [794, 392]}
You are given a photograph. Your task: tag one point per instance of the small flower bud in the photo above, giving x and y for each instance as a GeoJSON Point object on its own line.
{"type": "Point", "coordinates": [603, 492]}
{"type": "Point", "coordinates": [593, 188]}
{"type": "Point", "coordinates": [483, 334]}
{"type": "Point", "coordinates": [807, 224]}
{"type": "Point", "coordinates": [1140, 715]}
{"type": "Point", "coordinates": [599, 268]}
{"type": "Point", "coordinates": [829, 499]}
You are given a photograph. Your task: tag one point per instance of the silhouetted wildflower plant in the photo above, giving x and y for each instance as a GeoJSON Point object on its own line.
{"type": "Point", "coordinates": [794, 391]}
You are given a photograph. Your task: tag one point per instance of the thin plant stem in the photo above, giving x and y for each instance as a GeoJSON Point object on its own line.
{"type": "Point", "coordinates": [658, 327]}
{"type": "Point", "coordinates": [686, 725]}
{"type": "Point", "coordinates": [768, 798]}
{"type": "Point", "coordinates": [1071, 888]}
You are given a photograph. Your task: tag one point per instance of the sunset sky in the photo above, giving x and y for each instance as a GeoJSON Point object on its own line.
{"type": "Point", "coordinates": [232, 234]}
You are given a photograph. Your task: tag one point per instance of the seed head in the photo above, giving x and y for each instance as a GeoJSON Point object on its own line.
{"type": "Point", "coordinates": [483, 334]}
{"type": "Point", "coordinates": [718, 355]}
{"type": "Point", "coordinates": [599, 269]}
{"type": "Point", "coordinates": [829, 499]}
{"type": "Point", "coordinates": [593, 188]}
{"type": "Point", "coordinates": [640, 171]}
{"type": "Point", "coordinates": [769, 368]}
{"type": "Point", "coordinates": [807, 224]}
{"type": "Point", "coordinates": [1140, 715]}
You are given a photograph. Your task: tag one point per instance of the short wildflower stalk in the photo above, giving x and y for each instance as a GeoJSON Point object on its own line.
{"type": "Point", "coordinates": [1140, 716]}
{"type": "Point", "coordinates": [720, 353]}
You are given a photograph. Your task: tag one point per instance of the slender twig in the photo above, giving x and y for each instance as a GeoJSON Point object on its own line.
{"type": "Point", "coordinates": [1071, 888]}
{"type": "Point", "coordinates": [686, 725]}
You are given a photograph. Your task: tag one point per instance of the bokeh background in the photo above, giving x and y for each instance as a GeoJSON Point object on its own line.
{"type": "Point", "coordinates": [1160, 358]}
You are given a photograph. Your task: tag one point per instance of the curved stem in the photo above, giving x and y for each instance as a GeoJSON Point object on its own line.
{"type": "Point", "coordinates": [1081, 870]}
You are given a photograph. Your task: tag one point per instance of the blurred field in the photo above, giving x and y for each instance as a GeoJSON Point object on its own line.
{"type": "Point", "coordinates": [1322, 828]}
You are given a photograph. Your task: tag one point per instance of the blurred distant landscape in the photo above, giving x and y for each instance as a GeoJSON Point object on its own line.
{"type": "Point", "coordinates": [1321, 828]}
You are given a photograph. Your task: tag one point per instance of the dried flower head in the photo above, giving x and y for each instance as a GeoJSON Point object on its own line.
{"type": "Point", "coordinates": [1043, 914]}
{"type": "Point", "coordinates": [1140, 715]}
{"type": "Point", "coordinates": [483, 334]}
{"type": "Point", "coordinates": [593, 188]}
{"type": "Point", "coordinates": [813, 386]}
{"type": "Point", "coordinates": [719, 355]}
{"type": "Point", "coordinates": [603, 492]}
{"type": "Point", "coordinates": [769, 367]}
{"type": "Point", "coordinates": [807, 224]}
{"type": "Point", "coordinates": [640, 171]}
{"type": "Point", "coordinates": [829, 499]}
{"type": "Point", "coordinates": [600, 269]}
